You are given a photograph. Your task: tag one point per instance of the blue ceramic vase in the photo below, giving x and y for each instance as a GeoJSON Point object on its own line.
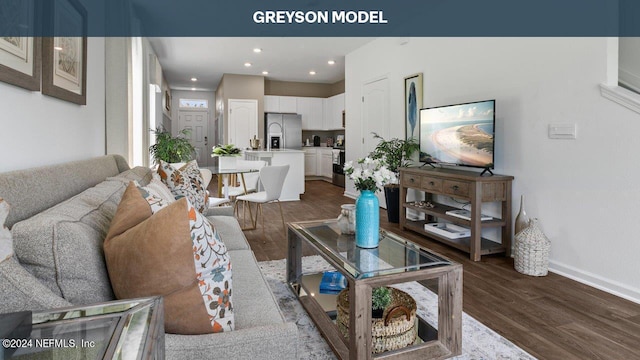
{"type": "Point", "coordinates": [367, 220]}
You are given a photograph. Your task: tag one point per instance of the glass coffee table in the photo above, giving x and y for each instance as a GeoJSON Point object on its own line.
{"type": "Point", "coordinates": [396, 260]}
{"type": "Point", "coordinates": [121, 329]}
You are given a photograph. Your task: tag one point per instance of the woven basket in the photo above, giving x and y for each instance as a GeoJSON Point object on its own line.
{"type": "Point", "coordinates": [532, 251]}
{"type": "Point", "coordinates": [395, 330]}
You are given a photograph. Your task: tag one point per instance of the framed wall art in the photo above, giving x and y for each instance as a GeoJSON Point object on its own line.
{"type": "Point", "coordinates": [64, 58]}
{"type": "Point", "coordinates": [20, 55]}
{"type": "Point", "coordinates": [412, 105]}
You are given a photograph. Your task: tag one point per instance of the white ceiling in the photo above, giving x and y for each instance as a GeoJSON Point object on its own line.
{"type": "Point", "coordinates": [286, 59]}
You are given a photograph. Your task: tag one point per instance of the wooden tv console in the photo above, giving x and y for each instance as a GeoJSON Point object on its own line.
{"type": "Point", "coordinates": [463, 185]}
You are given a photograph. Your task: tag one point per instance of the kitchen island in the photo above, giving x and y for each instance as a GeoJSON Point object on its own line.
{"type": "Point", "coordinates": [294, 182]}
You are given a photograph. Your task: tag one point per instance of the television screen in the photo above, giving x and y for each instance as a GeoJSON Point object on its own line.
{"type": "Point", "coordinates": [460, 134]}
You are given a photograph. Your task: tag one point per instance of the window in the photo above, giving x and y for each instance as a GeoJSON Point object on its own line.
{"type": "Point", "coordinates": [194, 104]}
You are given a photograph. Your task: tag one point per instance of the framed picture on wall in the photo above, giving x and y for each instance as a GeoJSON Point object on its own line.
{"type": "Point", "coordinates": [64, 59]}
{"type": "Point", "coordinates": [20, 55]}
{"type": "Point", "coordinates": [412, 105]}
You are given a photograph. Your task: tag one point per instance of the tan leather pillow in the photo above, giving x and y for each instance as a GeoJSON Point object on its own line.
{"type": "Point", "coordinates": [175, 253]}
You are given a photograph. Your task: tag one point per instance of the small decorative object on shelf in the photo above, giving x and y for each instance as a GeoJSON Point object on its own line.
{"type": "Point", "coordinates": [532, 250]}
{"type": "Point", "coordinates": [394, 330]}
{"type": "Point", "coordinates": [347, 219]}
{"type": "Point", "coordinates": [522, 220]}
{"type": "Point", "coordinates": [370, 176]}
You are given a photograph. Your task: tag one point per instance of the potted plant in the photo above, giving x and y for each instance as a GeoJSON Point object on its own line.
{"type": "Point", "coordinates": [226, 155]}
{"type": "Point", "coordinates": [380, 299]}
{"type": "Point", "coordinates": [171, 149]}
{"type": "Point", "coordinates": [394, 154]}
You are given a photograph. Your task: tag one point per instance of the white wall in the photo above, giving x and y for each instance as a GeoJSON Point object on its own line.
{"type": "Point", "coordinates": [39, 130]}
{"type": "Point", "coordinates": [584, 191]}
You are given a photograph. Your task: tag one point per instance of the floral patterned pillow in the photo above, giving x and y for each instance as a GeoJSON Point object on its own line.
{"type": "Point", "coordinates": [195, 273]}
{"type": "Point", "coordinates": [185, 182]}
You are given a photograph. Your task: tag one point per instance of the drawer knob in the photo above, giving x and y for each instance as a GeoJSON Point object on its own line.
{"type": "Point", "coordinates": [431, 183]}
{"type": "Point", "coordinates": [411, 180]}
{"type": "Point", "coordinates": [455, 187]}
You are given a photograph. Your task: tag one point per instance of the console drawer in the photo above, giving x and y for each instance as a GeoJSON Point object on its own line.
{"type": "Point", "coordinates": [458, 188]}
{"type": "Point", "coordinates": [430, 183]}
{"type": "Point", "coordinates": [411, 180]}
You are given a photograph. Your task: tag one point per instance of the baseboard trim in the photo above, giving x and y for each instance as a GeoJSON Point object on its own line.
{"type": "Point", "coordinates": [596, 281]}
{"type": "Point", "coordinates": [350, 194]}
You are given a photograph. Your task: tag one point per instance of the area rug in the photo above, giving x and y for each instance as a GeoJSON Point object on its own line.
{"type": "Point", "coordinates": [478, 341]}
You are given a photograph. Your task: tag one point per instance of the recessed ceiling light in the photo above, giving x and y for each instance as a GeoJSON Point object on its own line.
{"type": "Point", "coordinates": [265, 73]}
{"type": "Point", "coordinates": [312, 72]}
{"type": "Point", "coordinates": [331, 62]}
{"type": "Point", "coordinates": [193, 89]}
{"type": "Point", "coordinates": [57, 48]}
{"type": "Point", "coordinates": [257, 50]}
{"type": "Point", "coordinates": [247, 64]}
{"type": "Point", "coordinates": [194, 79]}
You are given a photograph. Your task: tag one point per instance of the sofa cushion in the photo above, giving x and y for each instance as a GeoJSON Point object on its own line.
{"type": "Point", "coordinates": [230, 232]}
{"type": "Point", "coordinates": [6, 242]}
{"type": "Point", "coordinates": [174, 253]}
{"type": "Point", "coordinates": [185, 182]}
{"type": "Point", "coordinates": [62, 246]}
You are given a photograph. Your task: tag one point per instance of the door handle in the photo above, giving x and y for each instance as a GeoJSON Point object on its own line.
{"type": "Point", "coordinates": [206, 141]}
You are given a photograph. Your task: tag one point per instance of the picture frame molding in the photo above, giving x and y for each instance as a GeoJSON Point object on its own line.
{"type": "Point", "coordinates": [48, 58]}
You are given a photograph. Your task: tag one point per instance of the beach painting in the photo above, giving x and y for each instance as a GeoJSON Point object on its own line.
{"type": "Point", "coordinates": [459, 134]}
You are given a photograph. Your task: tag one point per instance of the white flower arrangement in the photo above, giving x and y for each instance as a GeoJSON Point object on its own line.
{"type": "Point", "coordinates": [371, 174]}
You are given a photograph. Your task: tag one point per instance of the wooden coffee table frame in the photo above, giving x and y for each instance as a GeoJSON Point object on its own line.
{"type": "Point", "coordinates": [449, 332]}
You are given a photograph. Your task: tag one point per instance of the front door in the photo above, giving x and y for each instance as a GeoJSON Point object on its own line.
{"type": "Point", "coordinates": [197, 122]}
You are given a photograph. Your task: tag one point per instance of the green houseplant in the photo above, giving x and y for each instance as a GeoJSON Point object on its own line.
{"type": "Point", "coordinates": [225, 150]}
{"type": "Point", "coordinates": [171, 149]}
{"type": "Point", "coordinates": [394, 154]}
{"type": "Point", "coordinates": [380, 299]}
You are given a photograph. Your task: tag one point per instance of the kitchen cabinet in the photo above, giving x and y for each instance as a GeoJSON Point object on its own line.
{"type": "Point", "coordinates": [280, 104]}
{"type": "Point", "coordinates": [334, 106]}
{"type": "Point", "coordinates": [271, 103]}
{"type": "Point", "coordinates": [324, 163]}
{"type": "Point", "coordinates": [312, 111]}
{"type": "Point", "coordinates": [310, 163]}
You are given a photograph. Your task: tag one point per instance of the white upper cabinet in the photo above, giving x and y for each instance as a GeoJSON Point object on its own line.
{"type": "Point", "coordinates": [271, 103]}
{"type": "Point", "coordinates": [317, 113]}
{"type": "Point", "coordinates": [333, 112]}
{"type": "Point", "coordinates": [312, 112]}
{"type": "Point", "coordinates": [280, 104]}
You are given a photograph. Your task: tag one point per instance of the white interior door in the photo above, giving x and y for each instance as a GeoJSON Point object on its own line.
{"type": "Point", "coordinates": [197, 121]}
{"type": "Point", "coordinates": [243, 122]}
{"type": "Point", "coordinates": [375, 117]}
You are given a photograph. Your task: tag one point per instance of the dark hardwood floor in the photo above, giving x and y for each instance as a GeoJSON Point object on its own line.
{"type": "Point", "coordinates": [551, 317]}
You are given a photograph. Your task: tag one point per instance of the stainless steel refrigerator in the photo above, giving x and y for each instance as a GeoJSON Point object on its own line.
{"type": "Point", "coordinates": [283, 131]}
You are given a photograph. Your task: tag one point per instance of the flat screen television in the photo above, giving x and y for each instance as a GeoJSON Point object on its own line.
{"type": "Point", "coordinates": [461, 134]}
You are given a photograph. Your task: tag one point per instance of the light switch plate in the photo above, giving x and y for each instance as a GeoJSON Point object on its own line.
{"type": "Point", "coordinates": [562, 131]}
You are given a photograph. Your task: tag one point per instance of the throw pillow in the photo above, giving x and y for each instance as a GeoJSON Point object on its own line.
{"type": "Point", "coordinates": [185, 182]}
{"type": "Point", "coordinates": [161, 189]}
{"type": "Point", "coordinates": [175, 253]}
{"type": "Point", "coordinates": [6, 243]}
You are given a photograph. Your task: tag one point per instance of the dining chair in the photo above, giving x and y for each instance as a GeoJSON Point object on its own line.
{"type": "Point", "coordinates": [251, 180]}
{"type": "Point", "coordinates": [272, 179]}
